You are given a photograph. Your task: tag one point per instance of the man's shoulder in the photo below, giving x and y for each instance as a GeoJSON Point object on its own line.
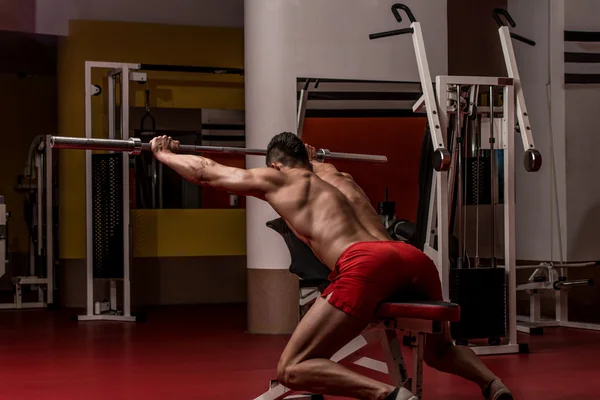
{"type": "Point", "coordinates": [269, 174]}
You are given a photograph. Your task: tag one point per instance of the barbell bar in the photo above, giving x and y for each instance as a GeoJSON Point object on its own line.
{"type": "Point", "coordinates": [134, 146]}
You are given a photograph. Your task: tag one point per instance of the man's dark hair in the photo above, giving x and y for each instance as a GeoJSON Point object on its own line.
{"type": "Point", "coordinates": [287, 149]}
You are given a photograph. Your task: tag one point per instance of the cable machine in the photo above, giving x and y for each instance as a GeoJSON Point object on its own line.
{"type": "Point", "coordinates": [471, 123]}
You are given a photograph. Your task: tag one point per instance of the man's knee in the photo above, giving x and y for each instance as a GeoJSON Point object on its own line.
{"type": "Point", "coordinates": [286, 372]}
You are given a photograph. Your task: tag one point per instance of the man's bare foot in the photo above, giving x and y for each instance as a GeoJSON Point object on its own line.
{"type": "Point", "coordinates": [496, 390]}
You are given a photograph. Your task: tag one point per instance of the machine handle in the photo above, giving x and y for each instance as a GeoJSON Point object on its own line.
{"type": "Point", "coordinates": [522, 39]}
{"type": "Point", "coordinates": [390, 33]}
{"type": "Point", "coordinates": [395, 9]}
{"type": "Point", "coordinates": [565, 283]}
{"type": "Point", "coordinates": [502, 12]}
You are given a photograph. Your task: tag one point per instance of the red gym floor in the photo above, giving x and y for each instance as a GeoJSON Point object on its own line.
{"type": "Point", "coordinates": [204, 353]}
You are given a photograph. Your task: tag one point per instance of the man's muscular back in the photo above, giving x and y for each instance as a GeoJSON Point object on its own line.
{"type": "Point", "coordinates": [356, 196]}
{"type": "Point", "coordinates": [319, 214]}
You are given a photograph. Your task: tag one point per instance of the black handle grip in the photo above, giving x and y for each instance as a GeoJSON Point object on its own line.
{"type": "Point", "coordinates": [500, 11]}
{"type": "Point", "coordinates": [152, 123]}
{"type": "Point", "coordinates": [396, 10]}
{"type": "Point", "coordinates": [390, 33]}
{"type": "Point", "coordinates": [522, 39]}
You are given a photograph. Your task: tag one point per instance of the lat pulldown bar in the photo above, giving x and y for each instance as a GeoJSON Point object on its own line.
{"type": "Point", "coordinates": [135, 146]}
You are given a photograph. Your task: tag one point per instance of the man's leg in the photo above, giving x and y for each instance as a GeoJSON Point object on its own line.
{"type": "Point", "coordinates": [305, 363]}
{"type": "Point", "coordinates": [440, 353]}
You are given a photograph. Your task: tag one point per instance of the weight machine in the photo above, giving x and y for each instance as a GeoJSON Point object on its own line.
{"type": "Point", "coordinates": [41, 261]}
{"type": "Point", "coordinates": [462, 118]}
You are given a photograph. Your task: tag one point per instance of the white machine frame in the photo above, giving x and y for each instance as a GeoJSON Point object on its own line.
{"type": "Point", "coordinates": [126, 72]}
{"type": "Point", "coordinates": [45, 243]}
{"type": "Point", "coordinates": [549, 275]}
{"type": "Point", "coordinates": [439, 205]}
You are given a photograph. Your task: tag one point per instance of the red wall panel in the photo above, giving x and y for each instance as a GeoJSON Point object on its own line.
{"type": "Point", "coordinates": [397, 138]}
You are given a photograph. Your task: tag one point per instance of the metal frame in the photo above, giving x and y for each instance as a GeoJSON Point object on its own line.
{"type": "Point", "coordinates": [49, 222]}
{"type": "Point", "coordinates": [513, 72]}
{"type": "Point", "coordinates": [427, 86]}
{"type": "Point", "coordinates": [3, 244]}
{"type": "Point", "coordinates": [438, 221]}
{"type": "Point", "coordinates": [439, 194]}
{"type": "Point", "coordinates": [444, 85]}
{"type": "Point", "coordinates": [510, 254]}
{"type": "Point", "coordinates": [45, 236]}
{"type": "Point", "coordinates": [302, 109]}
{"type": "Point", "coordinates": [438, 110]}
{"type": "Point", "coordinates": [534, 323]}
{"type": "Point", "coordinates": [123, 70]}
{"type": "Point", "coordinates": [386, 332]}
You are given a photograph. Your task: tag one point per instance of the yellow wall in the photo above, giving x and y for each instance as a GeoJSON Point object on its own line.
{"type": "Point", "coordinates": [188, 233]}
{"type": "Point", "coordinates": [139, 43]}
{"type": "Point", "coordinates": [28, 109]}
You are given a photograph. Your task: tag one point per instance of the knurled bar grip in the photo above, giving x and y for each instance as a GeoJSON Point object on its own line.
{"type": "Point", "coordinates": [135, 146]}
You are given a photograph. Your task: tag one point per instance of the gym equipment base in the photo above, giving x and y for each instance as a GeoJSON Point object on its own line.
{"type": "Point", "coordinates": [107, 317]}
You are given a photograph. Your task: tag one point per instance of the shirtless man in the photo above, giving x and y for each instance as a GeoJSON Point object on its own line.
{"type": "Point", "coordinates": [330, 213]}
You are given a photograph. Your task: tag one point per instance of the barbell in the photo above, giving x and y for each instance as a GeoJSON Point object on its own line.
{"type": "Point", "coordinates": [134, 146]}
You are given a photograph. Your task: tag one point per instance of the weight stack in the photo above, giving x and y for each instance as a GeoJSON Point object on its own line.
{"type": "Point", "coordinates": [481, 295]}
{"type": "Point", "coordinates": [479, 189]}
{"type": "Point", "coordinates": [107, 214]}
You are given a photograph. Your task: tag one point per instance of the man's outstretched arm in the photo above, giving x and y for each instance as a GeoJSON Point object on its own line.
{"type": "Point", "coordinates": [204, 171]}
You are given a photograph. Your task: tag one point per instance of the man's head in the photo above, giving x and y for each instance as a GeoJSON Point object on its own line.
{"type": "Point", "coordinates": [287, 150]}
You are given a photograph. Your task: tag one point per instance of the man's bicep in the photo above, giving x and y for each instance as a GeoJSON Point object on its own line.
{"type": "Point", "coordinates": [254, 182]}
{"type": "Point", "coordinates": [224, 177]}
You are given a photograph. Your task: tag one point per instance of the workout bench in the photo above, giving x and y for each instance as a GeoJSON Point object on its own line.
{"type": "Point", "coordinates": [409, 319]}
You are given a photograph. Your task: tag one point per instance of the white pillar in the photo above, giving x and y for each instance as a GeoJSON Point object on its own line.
{"type": "Point", "coordinates": [270, 90]}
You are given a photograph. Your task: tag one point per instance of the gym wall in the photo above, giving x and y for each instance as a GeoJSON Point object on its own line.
{"type": "Point", "coordinates": [180, 255]}
{"type": "Point", "coordinates": [473, 44]}
{"type": "Point", "coordinates": [53, 16]}
{"type": "Point", "coordinates": [17, 15]}
{"type": "Point", "coordinates": [558, 208]}
{"type": "Point", "coordinates": [573, 108]}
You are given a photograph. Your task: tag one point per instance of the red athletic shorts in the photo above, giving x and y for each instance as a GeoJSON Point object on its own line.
{"type": "Point", "coordinates": [367, 273]}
